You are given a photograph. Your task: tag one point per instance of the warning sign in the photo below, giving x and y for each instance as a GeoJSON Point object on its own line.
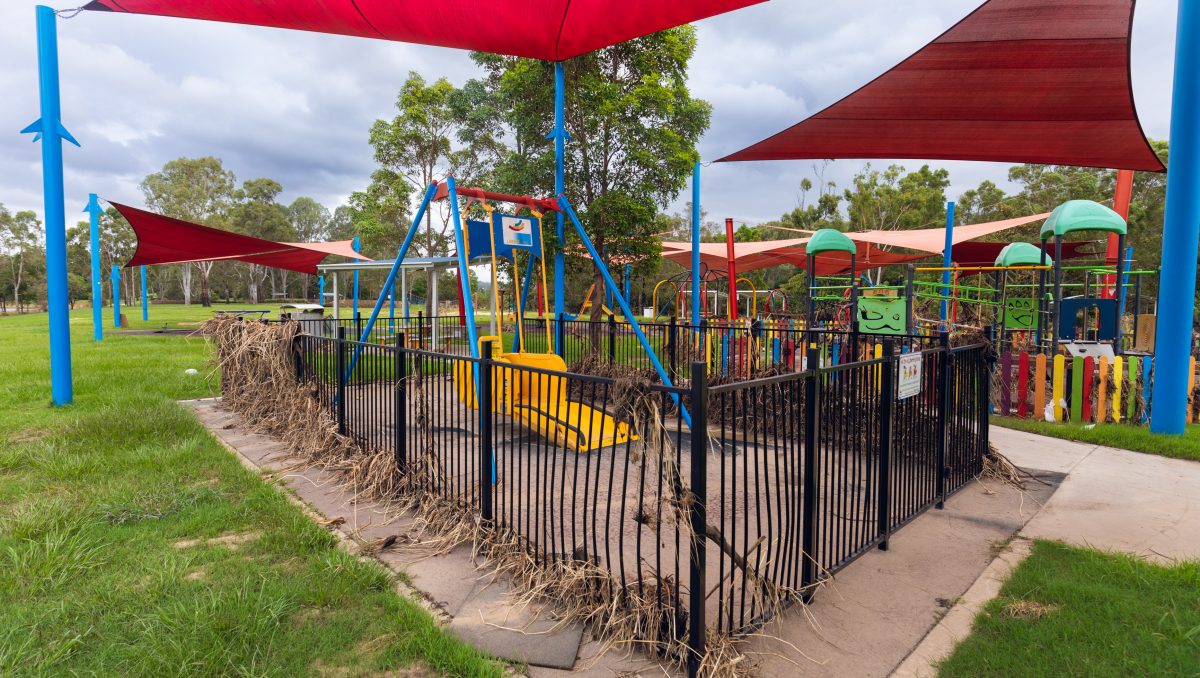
{"type": "Point", "coordinates": [909, 383]}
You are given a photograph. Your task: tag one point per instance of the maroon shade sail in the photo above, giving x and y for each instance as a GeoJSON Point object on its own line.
{"type": "Point", "coordinates": [1037, 81]}
{"type": "Point", "coordinates": [551, 30]}
{"type": "Point", "coordinates": [166, 240]}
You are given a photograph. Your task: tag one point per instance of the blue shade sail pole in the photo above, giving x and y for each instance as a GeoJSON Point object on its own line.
{"type": "Point", "coordinates": [696, 247]}
{"type": "Point", "coordinates": [321, 290]}
{"type": "Point", "coordinates": [1173, 342]}
{"type": "Point", "coordinates": [947, 261]}
{"type": "Point", "coordinates": [93, 210]}
{"type": "Point", "coordinates": [560, 136]}
{"type": "Point", "coordinates": [116, 292]}
{"type": "Point", "coordinates": [565, 206]}
{"type": "Point", "coordinates": [357, 248]}
{"type": "Point", "coordinates": [50, 131]}
{"type": "Point", "coordinates": [145, 297]}
{"type": "Point", "coordinates": [391, 276]}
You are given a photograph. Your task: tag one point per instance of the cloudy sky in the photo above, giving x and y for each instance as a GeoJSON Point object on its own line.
{"type": "Point", "coordinates": [139, 91]}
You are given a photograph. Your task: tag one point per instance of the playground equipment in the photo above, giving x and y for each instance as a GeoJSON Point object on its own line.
{"type": "Point", "coordinates": [1075, 216]}
{"type": "Point", "coordinates": [537, 395]}
{"type": "Point", "coordinates": [824, 241]}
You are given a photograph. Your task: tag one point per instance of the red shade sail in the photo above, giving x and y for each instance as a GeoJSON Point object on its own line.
{"type": "Point", "coordinates": [552, 30]}
{"type": "Point", "coordinates": [1037, 81]}
{"type": "Point", "coordinates": [166, 240]}
{"type": "Point", "coordinates": [750, 256]}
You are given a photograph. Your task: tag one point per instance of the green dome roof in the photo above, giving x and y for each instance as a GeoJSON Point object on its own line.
{"type": "Point", "coordinates": [830, 240]}
{"type": "Point", "coordinates": [1022, 254]}
{"type": "Point", "coordinates": [1082, 215]}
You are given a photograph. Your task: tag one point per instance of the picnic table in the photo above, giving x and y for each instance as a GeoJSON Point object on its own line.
{"type": "Point", "coordinates": [243, 312]}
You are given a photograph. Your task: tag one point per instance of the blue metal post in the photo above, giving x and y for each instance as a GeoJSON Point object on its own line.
{"type": "Point", "coordinates": [357, 248]}
{"type": "Point", "coordinates": [947, 260]}
{"type": "Point", "coordinates": [565, 206]}
{"type": "Point", "coordinates": [93, 211]}
{"type": "Point", "coordinates": [116, 294]}
{"type": "Point", "coordinates": [696, 247]}
{"type": "Point", "coordinates": [560, 137]}
{"type": "Point", "coordinates": [50, 131]}
{"type": "Point", "coordinates": [1181, 232]}
{"type": "Point", "coordinates": [628, 271]}
{"type": "Point", "coordinates": [391, 292]}
{"type": "Point", "coordinates": [321, 290]}
{"type": "Point", "coordinates": [464, 275]}
{"type": "Point", "coordinates": [145, 298]}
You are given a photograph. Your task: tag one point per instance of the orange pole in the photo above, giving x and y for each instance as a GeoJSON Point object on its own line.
{"type": "Point", "coordinates": [732, 268]}
{"type": "Point", "coordinates": [1122, 195]}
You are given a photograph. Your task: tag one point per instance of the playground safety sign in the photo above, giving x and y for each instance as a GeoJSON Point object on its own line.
{"type": "Point", "coordinates": [909, 383]}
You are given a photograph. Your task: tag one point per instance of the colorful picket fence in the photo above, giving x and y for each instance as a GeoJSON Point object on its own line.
{"type": "Point", "coordinates": [1086, 390]}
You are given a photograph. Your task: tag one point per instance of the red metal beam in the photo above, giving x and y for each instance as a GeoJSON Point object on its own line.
{"type": "Point", "coordinates": [539, 204]}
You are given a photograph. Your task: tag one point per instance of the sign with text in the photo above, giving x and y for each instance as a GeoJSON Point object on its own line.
{"type": "Point", "coordinates": [909, 383]}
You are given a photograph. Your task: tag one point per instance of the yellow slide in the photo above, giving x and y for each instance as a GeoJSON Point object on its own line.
{"type": "Point", "coordinates": [540, 402]}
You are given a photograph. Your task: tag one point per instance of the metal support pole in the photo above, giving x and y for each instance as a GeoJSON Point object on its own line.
{"type": "Point", "coordinates": [731, 268]}
{"type": "Point", "coordinates": [560, 136]}
{"type": "Point", "coordinates": [401, 405]}
{"type": "Point", "coordinates": [1040, 302]}
{"type": "Point", "coordinates": [696, 246]}
{"type": "Point", "coordinates": [1056, 316]}
{"type": "Point", "coordinates": [431, 311]}
{"type": "Point", "coordinates": [49, 129]}
{"type": "Point", "coordinates": [337, 311]}
{"type": "Point", "coordinates": [115, 277]}
{"type": "Point", "coordinates": [943, 417]}
{"type": "Point", "coordinates": [391, 294]}
{"type": "Point", "coordinates": [357, 248]}
{"type": "Point", "coordinates": [908, 299]}
{"type": "Point", "coordinates": [145, 298]}
{"type": "Point", "coordinates": [812, 406]}
{"type": "Point", "coordinates": [340, 398]}
{"type": "Point", "coordinates": [1181, 238]}
{"type": "Point", "coordinates": [1120, 277]}
{"type": "Point", "coordinates": [947, 260]}
{"type": "Point", "coordinates": [612, 339]}
{"type": "Point", "coordinates": [404, 293]}
{"type": "Point", "coordinates": [487, 464]}
{"type": "Point", "coordinates": [697, 587]}
{"type": "Point", "coordinates": [93, 211]}
{"type": "Point", "coordinates": [321, 290]}
{"type": "Point", "coordinates": [887, 406]}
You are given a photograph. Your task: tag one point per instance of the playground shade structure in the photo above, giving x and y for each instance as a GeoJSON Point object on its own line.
{"type": "Point", "coordinates": [539, 401]}
{"type": "Point", "coordinates": [551, 30]}
{"type": "Point", "coordinates": [1015, 81]}
{"type": "Point", "coordinates": [166, 240]}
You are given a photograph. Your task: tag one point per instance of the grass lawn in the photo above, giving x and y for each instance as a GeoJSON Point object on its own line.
{"type": "Point", "coordinates": [1124, 436]}
{"type": "Point", "coordinates": [132, 543]}
{"type": "Point", "coordinates": [1077, 612]}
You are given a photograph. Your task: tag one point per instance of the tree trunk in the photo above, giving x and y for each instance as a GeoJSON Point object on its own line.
{"type": "Point", "coordinates": [252, 289]}
{"type": "Point", "coordinates": [187, 284]}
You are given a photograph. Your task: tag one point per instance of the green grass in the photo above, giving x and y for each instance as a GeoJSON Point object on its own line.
{"type": "Point", "coordinates": [1124, 436]}
{"type": "Point", "coordinates": [1101, 615]}
{"type": "Point", "coordinates": [132, 543]}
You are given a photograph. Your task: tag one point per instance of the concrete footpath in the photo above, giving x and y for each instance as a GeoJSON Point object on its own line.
{"type": "Point", "coordinates": [1112, 500]}
{"type": "Point", "coordinates": [1109, 499]}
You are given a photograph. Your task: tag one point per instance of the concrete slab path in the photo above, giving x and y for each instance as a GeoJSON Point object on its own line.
{"type": "Point", "coordinates": [1112, 500]}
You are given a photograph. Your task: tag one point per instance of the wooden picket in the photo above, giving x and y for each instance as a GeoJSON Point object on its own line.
{"type": "Point", "coordinates": [1039, 387]}
{"type": "Point", "coordinates": [1102, 392]}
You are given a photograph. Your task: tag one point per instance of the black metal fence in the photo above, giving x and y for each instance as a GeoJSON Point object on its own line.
{"type": "Point", "coordinates": [779, 482]}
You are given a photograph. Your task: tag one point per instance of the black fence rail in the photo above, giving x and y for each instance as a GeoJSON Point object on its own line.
{"type": "Point", "coordinates": [779, 482]}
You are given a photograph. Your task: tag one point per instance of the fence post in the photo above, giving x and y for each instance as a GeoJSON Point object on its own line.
{"type": "Point", "coordinates": [943, 416]}
{"type": "Point", "coordinates": [697, 586]}
{"type": "Point", "coordinates": [486, 454]}
{"type": "Point", "coordinates": [401, 415]}
{"type": "Point", "coordinates": [887, 405]}
{"type": "Point", "coordinates": [421, 330]}
{"type": "Point", "coordinates": [673, 348]}
{"type": "Point", "coordinates": [612, 339]}
{"type": "Point", "coordinates": [340, 364]}
{"type": "Point", "coordinates": [812, 406]}
{"type": "Point", "coordinates": [358, 325]}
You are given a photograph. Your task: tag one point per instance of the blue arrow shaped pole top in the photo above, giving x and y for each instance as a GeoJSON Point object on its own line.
{"type": "Point", "coordinates": [93, 212]}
